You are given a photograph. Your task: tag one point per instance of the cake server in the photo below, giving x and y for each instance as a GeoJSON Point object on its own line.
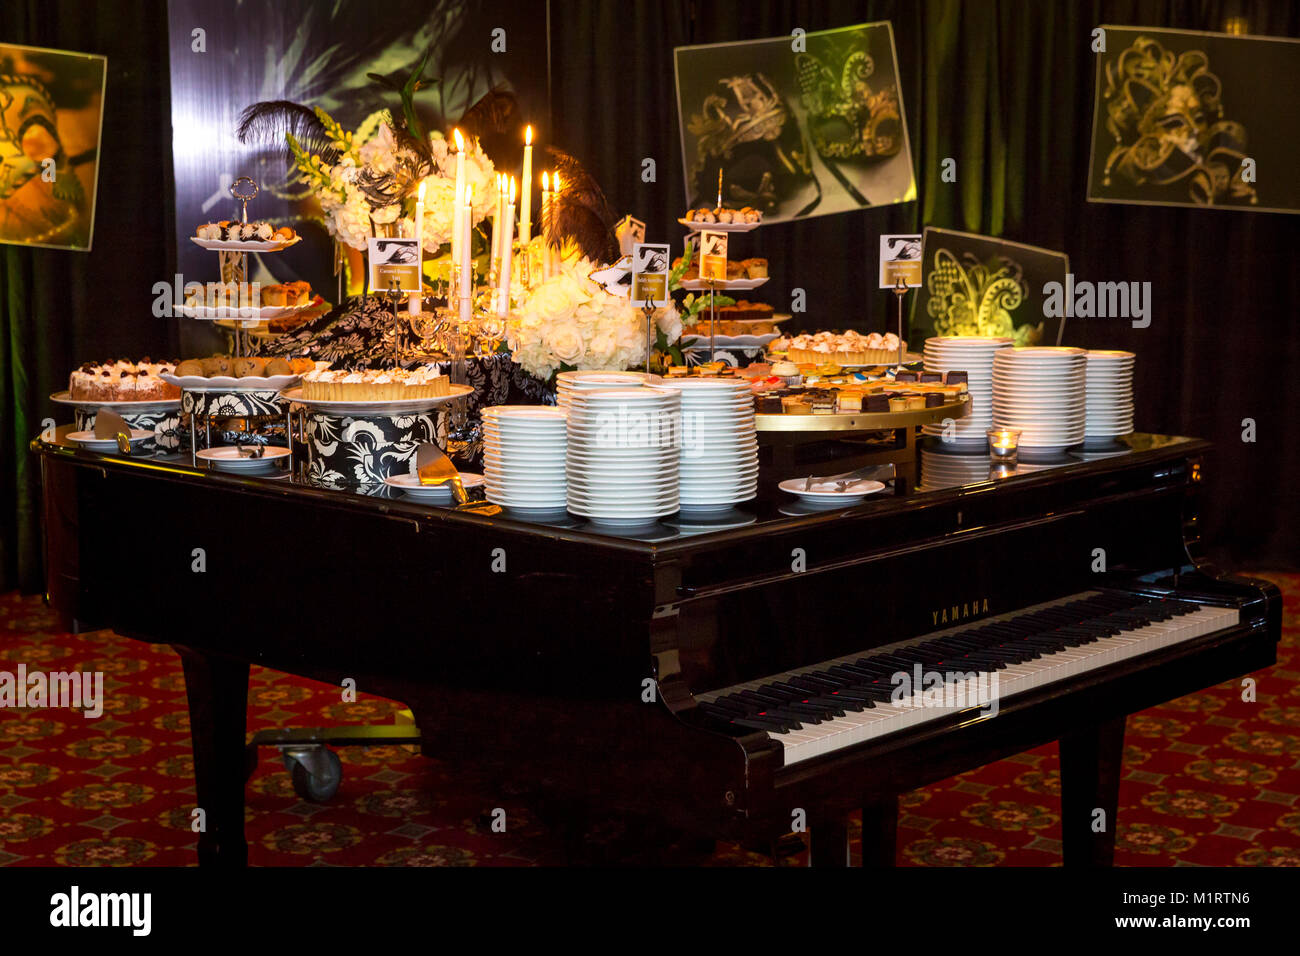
{"type": "Point", "coordinates": [110, 425]}
{"type": "Point", "coordinates": [435, 468]}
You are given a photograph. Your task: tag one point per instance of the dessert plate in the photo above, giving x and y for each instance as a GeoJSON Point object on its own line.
{"type": "Point", "coordinates": [395, 406]}
{"type": "Point", "coordinates": [410, 484]}
{"type": "Point", "coordinates": [88, 441]}
{"type": "Point", "coordinates": [696, 226]}
{"type": "Point", "coordinates": [232, 245]}
{"type": "Point", "coordinates": [235, 313]}
{"type": "Point", "coordinates": [149, 405]}
{"type": "Point", "coordinates": [826, 490]}
{"type": "Point", "coordinates": [228, 458]}
{"type": "Point", "coordinates": [228, 383]}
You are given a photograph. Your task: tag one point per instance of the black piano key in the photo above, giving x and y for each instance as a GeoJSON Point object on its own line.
{"type": "Point", "coordinates": [760, 723]}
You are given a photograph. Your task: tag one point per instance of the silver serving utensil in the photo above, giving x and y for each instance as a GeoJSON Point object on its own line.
{"type": "Point", "coordinates": [253, 451]}
{"type": "Point", "coordinates": [435, 468]}
{"type": "Point", "coordinates": [875, 472]}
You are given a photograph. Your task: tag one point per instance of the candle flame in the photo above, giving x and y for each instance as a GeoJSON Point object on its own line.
{"type": "Point", "coordinates": [460, 140]}
{"type": "Point", "coordinates": [423, 183]}
{"type": "Point", "coordinates": [555, 182]}
{"type": "Point", "coordinates": [469, 195]}
{"type": "Point", "coordinates": [528, 136]}
{"type": "Point", "coordinates": [545, 183]}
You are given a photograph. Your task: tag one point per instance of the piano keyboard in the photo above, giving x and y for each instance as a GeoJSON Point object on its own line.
{"type": "Point", "coordinates": [826, 707]}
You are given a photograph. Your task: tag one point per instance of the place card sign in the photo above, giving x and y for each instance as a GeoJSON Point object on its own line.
{"type": "Point", "coordinates": [650, 261]}
{"type": "Point", "coordinates": [713, 256]}
{"type": "Point", "coordinates": [394, 260]}
{"type": "Point", "coordinates": [900, 256]}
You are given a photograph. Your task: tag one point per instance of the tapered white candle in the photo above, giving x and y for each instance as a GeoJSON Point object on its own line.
{"type": "Point", "coordinates": [414, 304]}
{"type": "Point", "coordinates": [494, 238]}
{"type": "Point", "coordinates": [526, 200]}
{"type": "Point", "coordinates": [467, 254]}
{"type": "Point", "coordinates": [546, 211]}
{"type": "Point", "coordinates": [457, 211]}
{"type": "Point", "coordinates": [507, 250]}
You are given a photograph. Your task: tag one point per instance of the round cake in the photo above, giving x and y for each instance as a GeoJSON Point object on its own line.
{"type": "Point", "coordinates": [849, 348]}
{"type": "Point", "coordinates": [122, 381]}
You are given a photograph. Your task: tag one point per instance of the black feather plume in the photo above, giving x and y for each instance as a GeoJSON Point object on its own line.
{"type": "Point", "coordinates": [491, 114]}
{"type": "Point", "coordinates": [264, 124]}
{"type": "Point", "coordinates": [580, 210]}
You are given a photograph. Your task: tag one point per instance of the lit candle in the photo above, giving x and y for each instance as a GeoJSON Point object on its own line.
{"type": "Point", "coordinates": [546, 211]}
{"type": "Point", "coordinates": [494, 245]}
{"type": "Point", "coordinates": [555, 202]}
{"type": "Point", "coordinates": [1003, 445]}
{"type": "Point", "coordinates": [526, 201]}
{"type": "Point", "coordinates": [467, 266]}
{"type": "Point", "coordinates": [457, 211]}
{"type": "Point", "coordinates": [414, 304]}
{"type": "Point", "coordinates": [507, 249]}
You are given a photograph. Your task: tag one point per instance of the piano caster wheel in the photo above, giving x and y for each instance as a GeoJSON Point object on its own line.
{"type": "Point", "coordinates": [316, 771]}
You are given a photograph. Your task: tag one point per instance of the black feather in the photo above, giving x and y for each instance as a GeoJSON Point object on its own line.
{"type": "Point", "coordinates": [491, 114]}
{"type": "Point", "coordinates": [264, 124]}
{"type": "Point", "coordinates": [581, 211]}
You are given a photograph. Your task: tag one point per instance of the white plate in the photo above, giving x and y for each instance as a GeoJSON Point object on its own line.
{"type": "Point", "coordinates": [88, 441]}
{"type": "Point", "coordinates": [396, 406]}
{"type": "Point", "coordinates": [697, 342]}
{"type": "Point", "coordinates": [237, 314]}
{"type": "Point", "coordinates": [695, 226]}
{"type": "Point", "coordinates": [231, 245]}
{"type": "Point", "coordinates": [410, 484]}
{"type": "Point", "coordinates": [228, 383]}
{"type": "Point", "coordinates": [131, 407]}
{"type": "Point", "coordinates": [227, 458]}
{"type": "Point", "coordinates": [825, 491]}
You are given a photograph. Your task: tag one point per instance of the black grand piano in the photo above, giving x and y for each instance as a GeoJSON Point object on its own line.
{"type": "Point", "coordinates": [730, 676]}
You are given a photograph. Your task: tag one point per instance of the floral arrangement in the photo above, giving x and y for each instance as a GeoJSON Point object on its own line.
{"type": "Point", "coordinates": [357, 187]}
{"type": "Point", "coordinates": [569, 321]}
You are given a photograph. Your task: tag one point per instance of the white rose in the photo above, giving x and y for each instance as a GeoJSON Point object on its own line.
{"type": "Point", "coordinates": [565, 342]}
{"type": "Point", "coordinates": [669, 321]}
{"type": "Point", "coordinates": [386, 214]}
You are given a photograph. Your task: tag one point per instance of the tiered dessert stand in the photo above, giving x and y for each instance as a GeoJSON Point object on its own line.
{"type": "Point", "coordinates": [714, 286]}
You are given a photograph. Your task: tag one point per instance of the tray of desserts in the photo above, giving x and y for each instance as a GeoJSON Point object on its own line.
{"type": "Point", "coordinates": [742, 274]}
{"type": "Point", "coordinates": [720, 219]}
{"type": "Point", "coordinates": [804, 415]}
{"type": "Point", "coordinates": [728, 285]}
{"type": "Point", "coordinates": [220, 301]}
{"type": "Point", "coordinates": [376, 391]}
{"type": "Point", "coordinates": [233, 236]}
{"type": "Point", "coordinates": [222, 373]}
{"type": "Point", "coordinates": [700, 339]}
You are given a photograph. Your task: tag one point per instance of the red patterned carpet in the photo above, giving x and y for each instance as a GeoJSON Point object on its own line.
{"type": "Point", "coordinates": [1209, 780]}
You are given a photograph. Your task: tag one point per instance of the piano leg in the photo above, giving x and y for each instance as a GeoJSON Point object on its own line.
{"type": "Point", "coordinates": [830, 840]}
{"type": "Point", "coordinates": [880, 831]}
{"type": "Point", "coordinates": [1091, 761]}
{"type": "Point", "coordinates": [217, 689]}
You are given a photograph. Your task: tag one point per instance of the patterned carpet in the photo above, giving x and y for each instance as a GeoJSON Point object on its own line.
{"type": "Point", "coordinates": [1209, 780]}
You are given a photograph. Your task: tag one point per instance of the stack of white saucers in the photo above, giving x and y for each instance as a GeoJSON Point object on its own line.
{"type": "Point", "coordinates": [622, 456]}
{"type": "Point", "coordinates": [1109, 403]}
{"type": "Point", "coordinates": [951, 471]}
{"type": "Point", "coordinates": [719, 446]}
{"type": "Point", "coordinates": [1040, 391]}
{"type": "Point", "coordinates": [523, 456]}
{"type": "Point", "coordinates": [567, 382]}
{"type": "Point", "coordinates": [972, 354]}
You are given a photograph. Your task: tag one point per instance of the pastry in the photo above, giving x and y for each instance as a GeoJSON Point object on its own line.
{"type": "Point", "coordinates": [755, 268]}
{"type": "Point", "coordinates": [248, 367]}
{"type": "Point", "coordinates": [768, 405]}
{"type": "Point", "coordinates": [898, 404]}
{"type": "Point", "coordinates": [796, 405]}
{"type": "Point", "coordinates": [877, 402]}
{"type": "Point", "coordinates": [216, 365]}
{"type": "Point", "coordinates": [375, 385]}
{"type": "Point", "coordinates": [934, 399]}
{"type": "Point", "coordinates": [189, 367]}
{"type": "Point", "coordinates": [278, 366]}
{"type": "Point", "coordinates": [907, 375]}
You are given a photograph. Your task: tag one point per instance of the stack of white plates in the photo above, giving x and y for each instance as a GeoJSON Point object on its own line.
{"type": "Point", "coordinates": [1109, 403]}
{"type": "Point", "coordinates": [972, 354]}
{"type": "Point", "coordinates": [567, 382]}
{"type": "Point", "coordinates": [622, 457]}
{"type": "Point", "coordinates": [523, 457]}
{"type": "Point", "coordinates": [951, 471]}
{"type": "Point", "coordinates": [719, 453]}
{"type": "Point", "coordinates": [1040, 391]}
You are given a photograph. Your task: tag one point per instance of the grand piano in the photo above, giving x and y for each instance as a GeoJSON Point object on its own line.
{"type": "Point", "coordinates": [732, 677]}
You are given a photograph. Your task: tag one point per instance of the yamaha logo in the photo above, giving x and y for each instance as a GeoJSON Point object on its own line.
{"type": "Point", "coordinates": [960, 612]}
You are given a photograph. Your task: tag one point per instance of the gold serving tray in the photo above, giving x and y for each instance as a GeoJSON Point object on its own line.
{"type": "Point", "coordinates": [862, 421]}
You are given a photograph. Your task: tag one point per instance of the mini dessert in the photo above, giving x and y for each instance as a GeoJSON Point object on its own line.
{"type": "Point", "coordinates": [755, 268]}
{"type": "Point", "coordinates": [787, 371]}
{"type": "Point", "coordinates": [744, 309]}
{"type": "Point", "coordinates": [189, 367]}
{"type": "Point", "coordinates": [768, 405]}
{"type": "Point", "coordinates": [796, 405]}
{"type": "Point", "coordinates": [898, 404]}
{"type": "Point", "coordinates": [850, 402]}
{"type": "Point", "coordinates": [248, 366]}
{"type": "Point", "coordinates": [287, 295]}
{"type": "Point", "coordinates": [243, 367]}
{"type": "Point", "coordinates": [934, 399]}
{"type": "Point", "coordinates": [931, 377]}
{"type": "Point", "coordinates": [915, 401]}
{"type": "Point", "coordinates": [216, 365]}
{"type": "Point", "coordinates": [375, 385]}
{"type": "Point", "coordinates": [122, 381]}
{"type": "Point", "coordinates": [704, 215]}
{"type": "Point", "coordinates": [279, 366]}
{"type": "Point", "coordinates": [906, 375]}
{"type": "Point", "coordinates": [877, 402]}
{"type": "Point", "coordinates": [678, 371]}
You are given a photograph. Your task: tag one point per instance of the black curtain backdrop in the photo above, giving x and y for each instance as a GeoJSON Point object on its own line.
{"type": "Point", "coordinates": [59, 309]}
{"type": "Point", "coordinates": [1004, 87]}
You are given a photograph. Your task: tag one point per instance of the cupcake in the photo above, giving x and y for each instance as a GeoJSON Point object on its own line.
{"type": "Point", "coordinates": [788, 372]}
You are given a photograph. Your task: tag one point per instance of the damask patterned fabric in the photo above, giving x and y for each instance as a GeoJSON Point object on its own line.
{"type": "Point", "coordinates": [1208, 779]}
